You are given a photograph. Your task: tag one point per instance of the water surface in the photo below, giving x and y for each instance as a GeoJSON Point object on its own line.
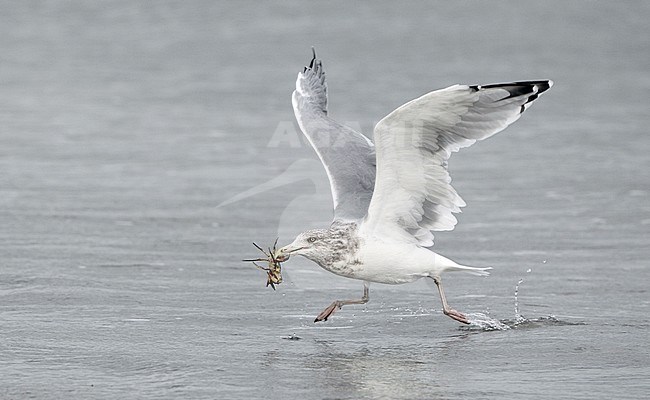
{"type": "Point", "coordinates": [123, 125]}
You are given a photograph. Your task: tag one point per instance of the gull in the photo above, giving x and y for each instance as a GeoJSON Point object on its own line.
{"type": "Point", "coordinates": [391, 194]}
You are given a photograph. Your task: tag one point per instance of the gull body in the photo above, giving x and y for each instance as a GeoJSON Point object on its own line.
{"type": "Point", "coordinates": [349, 252]}
{"type": "Point", "coordinates": [391, 194]}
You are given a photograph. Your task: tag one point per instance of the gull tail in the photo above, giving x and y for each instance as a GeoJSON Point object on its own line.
{"type": "Point", "coordinates": [478, 271]}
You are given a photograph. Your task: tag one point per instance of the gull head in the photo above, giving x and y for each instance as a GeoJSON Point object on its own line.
{"type": "Point", "coordinates": [312, 244]}
{"type": "Point", "coordinates": [325, 247]}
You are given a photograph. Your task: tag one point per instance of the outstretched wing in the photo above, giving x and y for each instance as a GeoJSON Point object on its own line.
{"type": "Point", "coordinates": [413, 194]}
{"type": "Point", "coordinates": [347, 155]}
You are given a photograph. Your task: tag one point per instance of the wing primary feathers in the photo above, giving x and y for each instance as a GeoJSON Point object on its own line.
{"type": "Point", "coordinates": [516, 89]}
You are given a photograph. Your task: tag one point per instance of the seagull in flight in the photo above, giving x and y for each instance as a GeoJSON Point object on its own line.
{"type": "Point", "coordinates": [391, 194]}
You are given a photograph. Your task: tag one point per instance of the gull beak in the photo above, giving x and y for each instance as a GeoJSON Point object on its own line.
{"type": "Point", "coordinates": [285, 252]}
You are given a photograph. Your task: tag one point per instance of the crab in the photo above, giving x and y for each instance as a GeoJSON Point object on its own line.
{"type": "Point", "coordinates": [274, 269]}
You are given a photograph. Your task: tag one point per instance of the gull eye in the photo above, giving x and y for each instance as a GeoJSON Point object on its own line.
{"type": "Point", "coordinates": [311, 239]}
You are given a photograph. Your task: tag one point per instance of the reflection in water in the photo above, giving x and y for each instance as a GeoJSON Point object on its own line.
{"type": "Point", "coordinates": [396, 371]}
{"type": "Point", "coordinates": [376, 373]}
{"type": "Point", "coordinates": [394, 363]}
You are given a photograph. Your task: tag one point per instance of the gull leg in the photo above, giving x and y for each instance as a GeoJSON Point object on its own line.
{"type": "Point", "coordinates": [450, 312]}
{"type": "Point", "coordinates": [340, 303]}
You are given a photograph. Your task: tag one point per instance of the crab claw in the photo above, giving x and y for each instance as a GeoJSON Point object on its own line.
{"type": "Point", "coordinates": [270, 282]}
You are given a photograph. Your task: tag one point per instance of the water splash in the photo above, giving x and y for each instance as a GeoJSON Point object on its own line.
{"type": "Point", "coordinates": [485, 322]}
{"type": "Point", "coordinates": [518, 317]}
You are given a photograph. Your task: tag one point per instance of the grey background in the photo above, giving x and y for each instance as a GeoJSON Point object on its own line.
{"type": "Point", "coordinates": [124, 125]}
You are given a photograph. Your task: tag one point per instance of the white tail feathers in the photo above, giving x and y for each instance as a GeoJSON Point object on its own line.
{"type": "Point", "coordinates": [478, 271]}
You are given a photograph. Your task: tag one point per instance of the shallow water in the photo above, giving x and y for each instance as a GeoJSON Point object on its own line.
{"type": "Point", "coordinates": [124, 125]}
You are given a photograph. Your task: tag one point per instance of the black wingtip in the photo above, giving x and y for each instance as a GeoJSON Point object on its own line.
{"type": "Point", "coordinates": [313, 59]}
{"type": "Point", "coordinates": [520, 87]}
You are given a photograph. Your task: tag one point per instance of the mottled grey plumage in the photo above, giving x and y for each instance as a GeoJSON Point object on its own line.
{"type": "Point", "coordinates": [334, 249]}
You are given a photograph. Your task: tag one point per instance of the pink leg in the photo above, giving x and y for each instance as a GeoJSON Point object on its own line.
{"type": "Point", "coordinates": [340, 303]}
{"type": "Point", "coordinates": [450, 312]}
